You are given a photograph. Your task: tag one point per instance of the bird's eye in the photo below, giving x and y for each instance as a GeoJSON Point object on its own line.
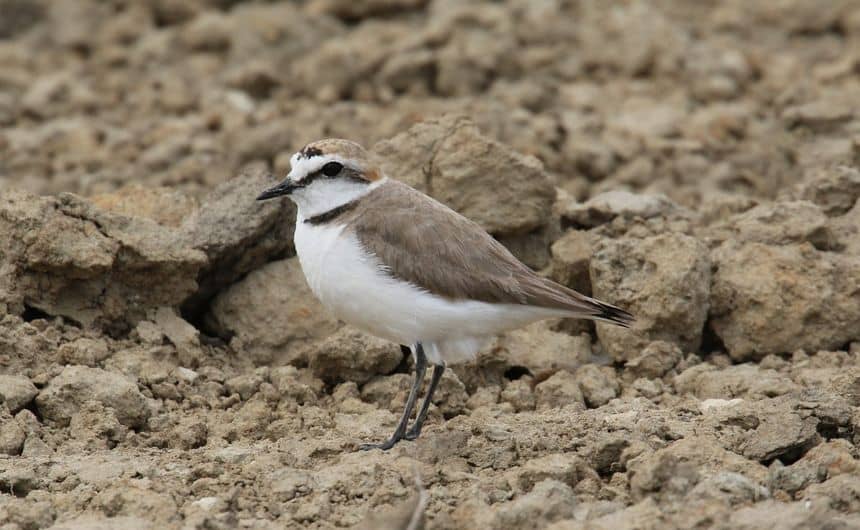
{"type": "Point", "coordinates": [332, 168]}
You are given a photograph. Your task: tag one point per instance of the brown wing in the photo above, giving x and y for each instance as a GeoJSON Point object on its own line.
{"type": "Point", "coordinates": [424, 242]}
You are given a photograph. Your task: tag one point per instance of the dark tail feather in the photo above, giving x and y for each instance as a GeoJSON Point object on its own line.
{"type": "Point", "coordinates": [547, 293]}
{"type": "Point", "coordinates": [611, 314]}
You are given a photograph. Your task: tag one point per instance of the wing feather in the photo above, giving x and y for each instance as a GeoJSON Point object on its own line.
{"type": "Point", "coordinates": [423, 242]}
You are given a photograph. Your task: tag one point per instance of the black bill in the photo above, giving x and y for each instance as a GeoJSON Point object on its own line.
{"type": "Point", "coordinates": [284, 188]}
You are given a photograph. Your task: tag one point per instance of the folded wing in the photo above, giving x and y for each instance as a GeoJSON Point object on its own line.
{"type": "Point", "coordinates": [451, 256]}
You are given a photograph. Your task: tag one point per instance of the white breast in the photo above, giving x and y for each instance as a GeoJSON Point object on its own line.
{"type": "Point", "coordinates": [355, 287]}
{"type": "Point", "coordinates": [314, 245]}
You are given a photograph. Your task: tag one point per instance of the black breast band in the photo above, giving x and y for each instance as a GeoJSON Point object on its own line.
{"type": "Point", "coordinates": [334, 213]}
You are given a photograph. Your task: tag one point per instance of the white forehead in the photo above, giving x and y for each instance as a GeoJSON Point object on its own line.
{"type": "Point", "coordinates": [302, 166]}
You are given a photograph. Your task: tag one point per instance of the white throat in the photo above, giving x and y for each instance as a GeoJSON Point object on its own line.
{"type": "Point", "coordinates": [324, 195]}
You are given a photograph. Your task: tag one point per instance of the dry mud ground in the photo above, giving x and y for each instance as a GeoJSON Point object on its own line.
{"type": "Point", "coordinates": [162, 364]}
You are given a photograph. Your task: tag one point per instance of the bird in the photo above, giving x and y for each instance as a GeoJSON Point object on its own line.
{"type": "Point", "coordinates": [400, 265]}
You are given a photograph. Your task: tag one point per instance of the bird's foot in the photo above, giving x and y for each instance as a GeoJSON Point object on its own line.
{"type": "Point", "coordinates": [385, 446]}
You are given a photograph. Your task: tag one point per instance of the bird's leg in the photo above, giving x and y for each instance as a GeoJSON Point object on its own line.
{"type": "Point", "coordinates": [400, 431]}
{"type": "Point", "coordinates": [413, 433]}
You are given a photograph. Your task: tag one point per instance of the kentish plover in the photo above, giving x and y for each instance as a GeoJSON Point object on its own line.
{"type": "Point", "coordinates": [397, 264]}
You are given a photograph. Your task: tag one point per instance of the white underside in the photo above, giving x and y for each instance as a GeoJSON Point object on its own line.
{"type": "Point", "coordinates": [354, 286]}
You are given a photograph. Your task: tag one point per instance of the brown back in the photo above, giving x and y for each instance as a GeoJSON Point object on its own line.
{"type": "Point", "coordinates": [424, 242]}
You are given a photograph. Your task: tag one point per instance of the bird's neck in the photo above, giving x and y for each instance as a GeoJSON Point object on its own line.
{"type": "Point", "coordinates": [326, 195]}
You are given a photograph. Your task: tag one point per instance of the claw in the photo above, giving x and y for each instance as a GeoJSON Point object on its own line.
{"type": "Point", "coordinates": [385, 446]}
{"type": "Point", "coordinates": [412, 434]}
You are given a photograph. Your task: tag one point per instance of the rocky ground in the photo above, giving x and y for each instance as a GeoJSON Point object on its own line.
{"type": "Point", "coordinates": [162, 364]}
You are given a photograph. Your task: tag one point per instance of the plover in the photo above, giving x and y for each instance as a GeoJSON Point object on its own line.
{"type": "Point", "coordinates": [400, 265]}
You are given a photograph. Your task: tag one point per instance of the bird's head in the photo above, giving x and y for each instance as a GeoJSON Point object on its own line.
{"type": "Point", "coordinates": [326, 174]}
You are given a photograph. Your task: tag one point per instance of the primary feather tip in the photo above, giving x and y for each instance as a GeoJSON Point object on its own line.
{"type": "Point", "coordinates": [613, 315]}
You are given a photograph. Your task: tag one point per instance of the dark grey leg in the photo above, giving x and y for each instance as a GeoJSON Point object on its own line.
{"type": "Point", "coordinates": [422, 414]}
{"type": "Point", "coordinates": [400, 431]}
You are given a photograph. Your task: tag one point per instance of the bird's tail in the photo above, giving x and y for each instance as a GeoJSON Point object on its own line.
{"type": "Point", "coordinates": [545, 292]}
{"type": "Point", "coordinates": [609, 313]}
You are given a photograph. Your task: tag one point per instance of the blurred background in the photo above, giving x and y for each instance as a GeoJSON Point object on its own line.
{"type": "Point", "coordinates": [694, 99]}
{"type": "Point", "coordinates": [163, 361]}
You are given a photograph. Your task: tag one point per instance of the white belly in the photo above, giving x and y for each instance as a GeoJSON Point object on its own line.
{"type": "Point", "coordinates": [354, 286]}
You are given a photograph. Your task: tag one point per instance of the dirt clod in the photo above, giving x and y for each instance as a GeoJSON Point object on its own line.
{"type": "Point", "coordinates": [164, 365]}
